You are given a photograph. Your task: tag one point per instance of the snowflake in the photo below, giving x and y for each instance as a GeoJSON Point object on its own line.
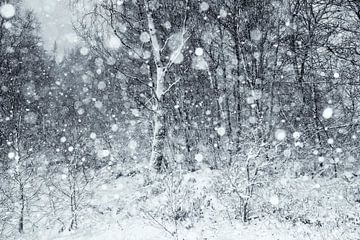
{"type": "Point", "coordinates": [7, 11]}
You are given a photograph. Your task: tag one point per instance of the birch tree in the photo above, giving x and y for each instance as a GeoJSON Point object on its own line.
{"type": "Point", "coordinates": [159, 131]}
{"type": "Point", "coordinates": [158, 65]}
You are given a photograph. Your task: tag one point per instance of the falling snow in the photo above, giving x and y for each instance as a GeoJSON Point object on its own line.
{"type": "Point", "coordinates": [256, 35]}
{"type": "Point", "coordinates": [274, 200]}
{"type": "Point", "coordinates": [7, 11]}
{"type": "Point", "coordinates": [11, 155]}
{"type": "Point", "coordinates": [153, 119]}
{"type": "Point", "coordinates": [221, 131]}
{"type": "Point", "coordinates": [223, 13]}
{"type": "Point", "coordinates": [93, 135]}
{"type": "Point", "coordinates": [101, 85]}
{"type": "Point", "coordinates": [199, 63]}
{"type": "Point", "coordinates": [144, 37]}
{"type": "Point", "coordinates": [296, 135]}
{"type": "Point", "coordinates": [177, 57]}
{"type": "Point", "coordinates": [114, 127]}
{"type": "Point", "coordinates": [113, 42]}
{"type": "Point", "coordinates": [132, 145]}
{"type": "Point", "coordinates": [280, 134]}
{"type": "Point", "coordinates": [327, 113]}
{"type": "Point", "coordinates": [199, 157]}
{"type": "Point", "coordinates": [84, 51]}
{"type": "Point", "coordinates": [199, 51]}
{"type": "Point", "coordinates": [204, 6]}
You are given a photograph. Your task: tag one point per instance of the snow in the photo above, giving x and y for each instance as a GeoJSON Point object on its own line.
{"type": "Point", "coordinates": [283, 181]}
{"type": "Point", "coordinates": [274, 200]}
{"type": "Point", "coordinates": [146, 54]}
{"type": "Point", "coordinates": [114, 127]}
{"type": "Point", "coordinates": [7, 25]}
{"type": "Point", "coordinates": [93, 135]}
{"type": "Point", "coordinates": [204, 6]}
{"type": "Point", "coordinates": [287, 153]}
{"type": "Point", "coordinates": [250, 100]}
{"type": "Point", "coordinates": [280, 134]}
{"type": "Point", "coordinates": [111, 61]}
{"type": "Point", "coordinates": [84, 127]}
{"type": "Point", "coordinates": [252, 120]}
{"type": "Point", "coordinates": [139, 229]}
{"type": "Point", "coordinates": [256, 94]}
{"type": "Point", "coordinates": [103, 153]}
{"type": "Point", "coordinates": [256, 35]}
{"type": "Point", "coordinates": [199, 51]}
{"type": "Point", "coordinates": [84, 51]}
{"type": "Point", "coordinates": [223, 13]}
{"type": "Point", "coordinates": [296, 135]}
{"type": "Point", "coordinates": [30, 118]}
{"type": "Point", "coordinates": [98, 104]}
{"type": "Point", "coordinates": [101, 85]}
{"type": "Point", "coordinates": [199, 157]}
{"type": "Point", "coordinates": [81, 111]}
{"type": "Point", "coordinates": [221, 131]}
{"type": "Point", "coordinates": [122, 28]}
{"type": "Point", "coordinates": [145, 37]}
{"type": "Point", "coordinates": [11, 155]}
{"type": "Point", "coordinates": [7, 10]}
{"type": "Point", "coordinates": [132, 145]}
{"type": "Point", "coordinates": [113, 42]}
{"type": "Point", "coordinates": [176, 42]}
{"type": "Point", "coordinates": [199, 63]}
{"type": "Point", "coordinates": [133, 222]}
{"type": "Point", "coordinates": [135, 112]}
{"type": "Point", "coordinates": [177, 57]}
{"type": "Point", "coordinates": [327, 113]}
{"type": "Point", "coordinates": [351, 159]}
{"type": "Point", "coordinates": [120, 207]}
{"type": "Point", "coordinates": [99, 62]}
{"type": "Point", "coordinates": [167, 25]}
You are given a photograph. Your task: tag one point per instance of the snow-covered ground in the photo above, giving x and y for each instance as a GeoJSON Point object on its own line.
{"type": "Point", "coordinates": [130, 208]}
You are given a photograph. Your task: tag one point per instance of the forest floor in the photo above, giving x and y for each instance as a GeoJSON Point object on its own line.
{"type": "Point", "coordinates": [129, 209]}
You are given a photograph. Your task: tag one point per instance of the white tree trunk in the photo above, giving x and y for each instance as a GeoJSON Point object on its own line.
{"type": "Point", "coordinates": [159, 133]}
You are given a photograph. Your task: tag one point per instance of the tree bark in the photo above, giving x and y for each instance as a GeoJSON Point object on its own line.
{"type": "Point", "coordinates": [22, 202]}
{"type": "Point", "coordinates": [159, 131]}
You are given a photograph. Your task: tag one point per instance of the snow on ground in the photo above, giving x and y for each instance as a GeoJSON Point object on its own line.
{"type": "Point", "coordinates": [118, 214]}
{"type": "Point", "coordinates": [139, 229]}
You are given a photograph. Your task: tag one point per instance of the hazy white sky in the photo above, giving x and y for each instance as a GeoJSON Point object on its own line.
{"type": "Point", "coordinates": [55, 18]}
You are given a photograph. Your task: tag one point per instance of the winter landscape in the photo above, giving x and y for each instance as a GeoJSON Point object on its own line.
{"type": "Point", "coordinates": [179, 119]}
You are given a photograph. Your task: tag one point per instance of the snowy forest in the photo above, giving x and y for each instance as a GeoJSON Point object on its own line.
{"type": "Point", "coordinates": [181, 119]}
